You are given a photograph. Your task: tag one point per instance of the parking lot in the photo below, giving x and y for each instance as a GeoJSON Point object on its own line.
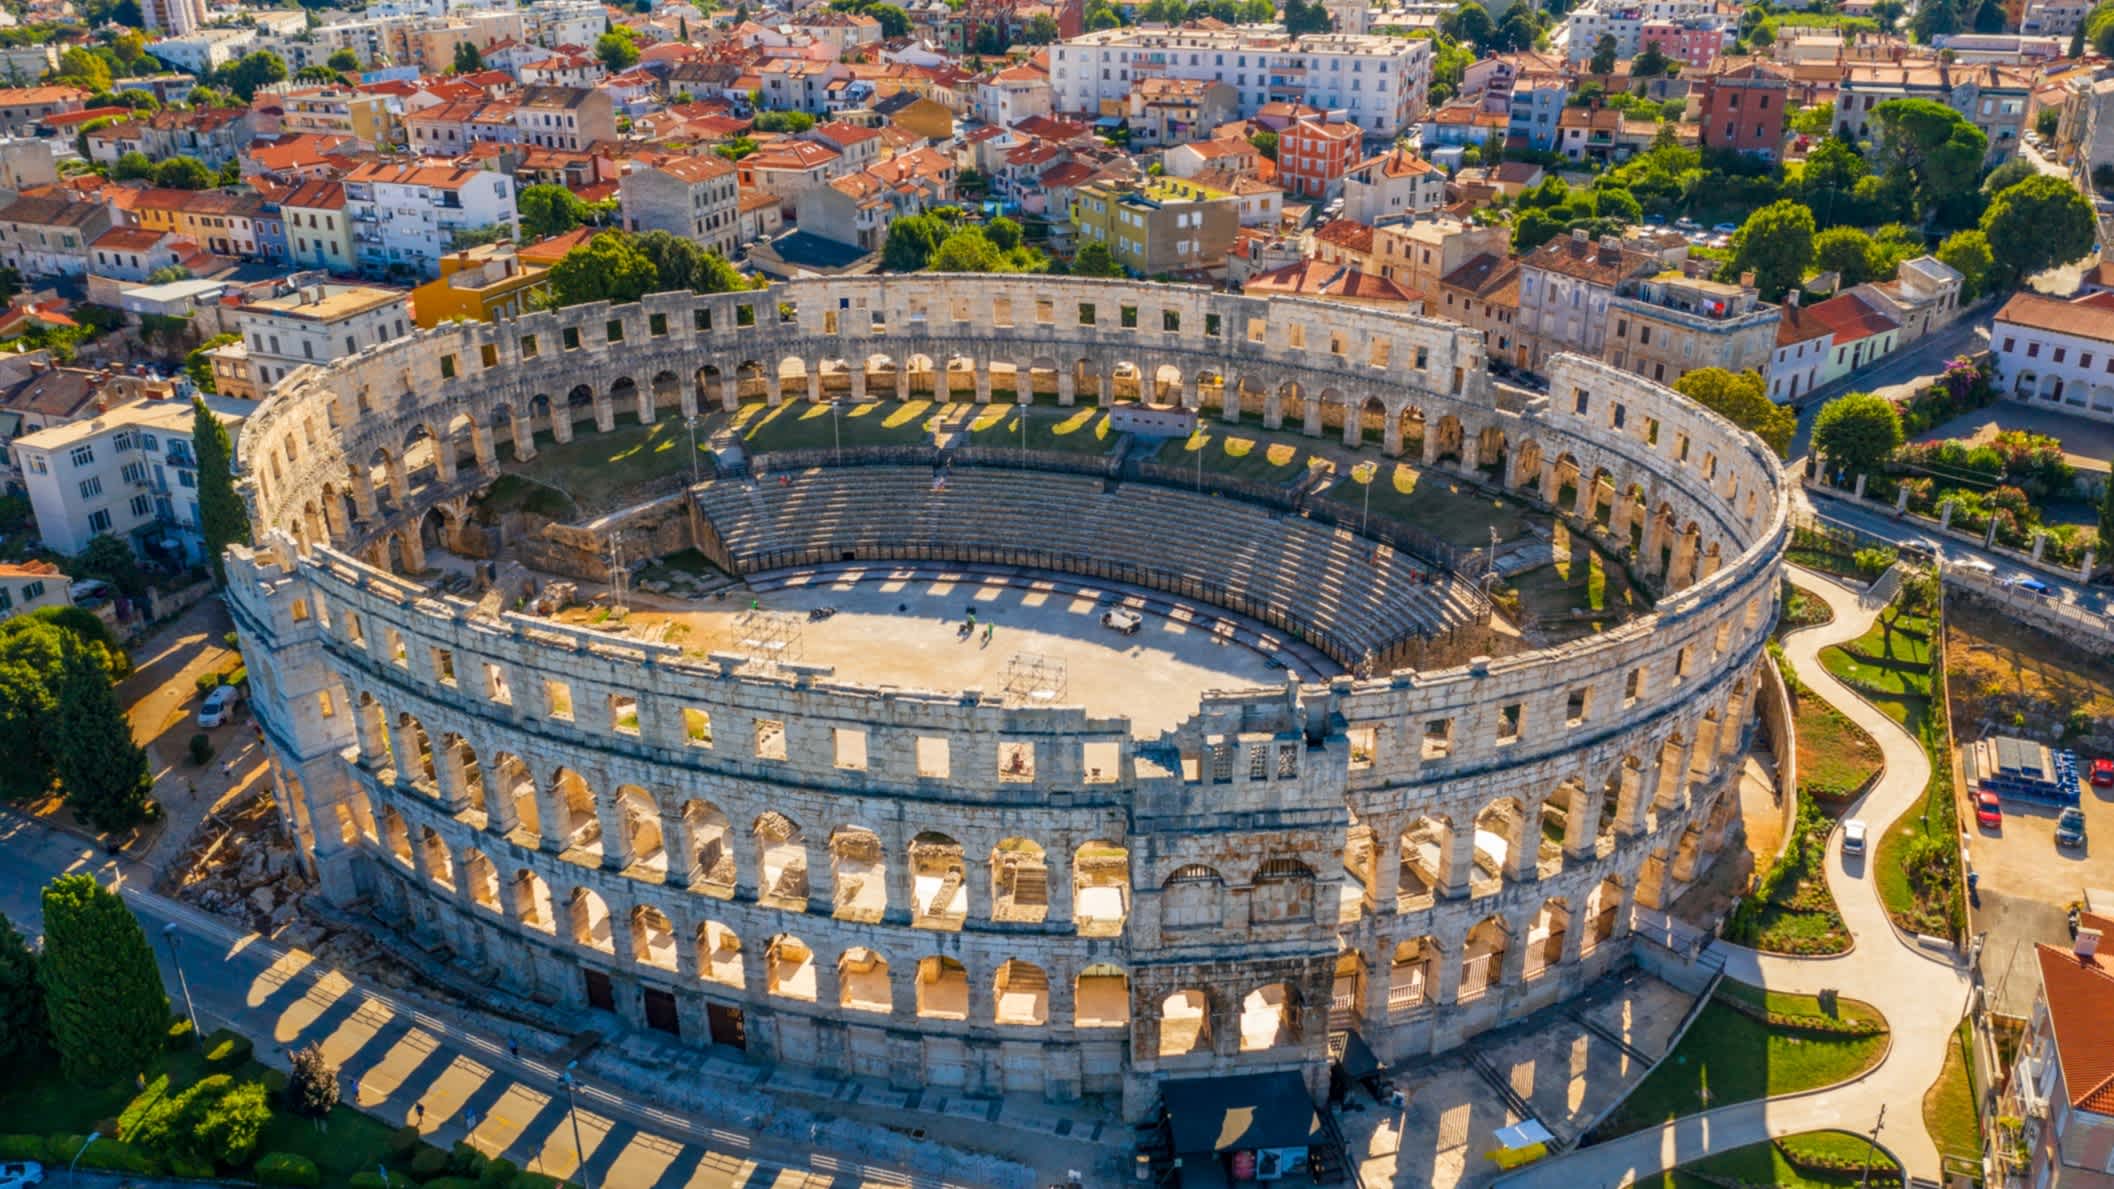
{"type": "Point", "coordinates": [2027, 883]}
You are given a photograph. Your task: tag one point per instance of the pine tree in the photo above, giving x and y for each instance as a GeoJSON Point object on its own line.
{"type": "Point", "coordinates": [24, 1032]}
{"type": "Point", "coordinates": [102, 772]}
{"type": "Point", "coordinates": [102, 991]}
{"type": "Point", "coordinates": [222, 519]}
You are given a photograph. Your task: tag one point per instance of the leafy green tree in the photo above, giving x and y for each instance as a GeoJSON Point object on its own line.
{"type": "Point", "coordinates": [246, 75]}
{"type": "Point", "coordinates": [1847, 251]}
{"type": "Point", "coordinates": [894, 21]}
{"type": "Point", "coordinates": [1652, 63]}
{"type": "Point", "coordinates": [617, 50]}
{"type": "Point", "coordinates": [783, 121]}
{"type": "Point", "coordinates": [608, 267]}
{"type": "Point", "coordinates": [1776, 243]}
{"type": "Point", "coordinates": [1811, 121]}
{"type": "Point", "coordinates": [102, 991]}
{"type": "Point", "coordinates": [1743, 399]}
{"type": "Point", "coordinates": [2007, 175]}
{"type": "Point", "coordinates": [1095, 260]}
{"type": "Point", "coordinates": [1614, 202]}
{"type": "Point", "coordinates": [106, 558]}
{"type": "Point", "coordinates": [1041, 30]}
{"type": "Point", "coordinates": [84, 68]}
{"type": "Point", "coordinates": [1989, 17]}
{"type": "Point", "coordinates": [680, 263]}
{"type": "Point", "coordinates": [911, 242]}
{"type": "Point", "coordinates": [2036, 225]}
{"type": "Point", "coordinates": [132, 166]}
{"type": "Point", "coordinates": [1933, 150]}
{"type": "Point", "coordinates": [214, 1121]}
{"type": "Point", "coordinates": [102, 772]}
{"type": "Point", "coordinates": [967, 249]}
{"type": "Point", "coordinates": [1857, 431]}
{"type": "Point", "coordinates": [1603, 59]}
{"type": "Point", "coordinates": [468, 59]}
{"type": "Point", "coordinates": [547, 210]}
{"type": "Point", "coordinates": [30, 657]}
{"type": "Point", "coordinates": [25, 1032]}
{"type": "Point", "coordinates": [1470, 22]}
{"type": "Point", "coordinates": [1934, 18]}
{"type": "Point", "coordinates": [1302, 18]}
{"type": "Point", "coordinates": [1265, 142]}
{"type": "Point", "coordinates": [222, 519]}
{"type": "Point", "coordinates": [313, 1086]}
{"type": "Point", "coordinates": [183, 173]}
{"type": "Point", "coordinates": [1889, 13]}
{"type": "Point", "coordinates": [346, 60]}
{"type": "Point", "coordinates": [1967, 253]}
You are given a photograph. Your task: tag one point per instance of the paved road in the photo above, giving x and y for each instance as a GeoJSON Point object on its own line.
{"type": "Point", "coordinates": [402, 1058]}
{"type": "Point", "coordinates": [1921, 993]}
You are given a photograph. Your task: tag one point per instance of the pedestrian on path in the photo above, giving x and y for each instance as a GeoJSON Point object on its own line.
{"type": "Point", "coordinates": [513, 1048]}
{"type": "Point", "coordinates": [421, 1109]}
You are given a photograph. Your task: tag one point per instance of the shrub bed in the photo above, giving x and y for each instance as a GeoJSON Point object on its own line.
{"type": "Point", "coordinates": [286, 1168]}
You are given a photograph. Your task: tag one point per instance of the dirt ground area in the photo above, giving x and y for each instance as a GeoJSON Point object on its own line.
{"type": "Point", "coordinates": [1567, 1073]}
{"type": "Point", "coordinates": [2006, 679]}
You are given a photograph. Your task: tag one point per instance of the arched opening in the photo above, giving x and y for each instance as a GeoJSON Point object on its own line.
{"type": "Point", "coordinates": [1269, 1018]}
{"type": "Point", "coordinates": [1500, 832]}
{"type": "Point", "coordinates": [1020, 881]}
{"type": "Point", "coordinates": [858, 874]}
{"type": "Point", "coordinates": [652, 937]}
{"type": "Point", "coordinates": [420, 760]}
{"type": "Point", "coordinates": [862, 982]}
{"type": "Point", "coordinates": [943, 989]}
{"type": "Point", "coordinates": [1412, 974]}
{"type": "Point", "coordinates": [532, 902]}
{"type": "Point", "coordinates": [1427, 855]}
{"type": "Point", "coordinates": [578, 827]}
{"type": "Point", "coordinates": [1100, 888]}
{"type": "Point", "coordinates": [1603, 913]}
{"type": "Point", "coordinates": [641, 816]}
{"type": "Point", "coordinates": [712, 852]}
{"type": "Point", "coordinates": [397, 836]}
{"type": "Point", "coordinates": [1482, 958]}
{"type": "Point", "coordinates": [1101, 997]}
{"type": "Point", "coordinates": [518, 788]}
{"type": "Point", "coordinates": [719, 955]}
{"type": "Point", "coordinates": [939, 885]}
{"type": "Point", "coordinates": [1192, 898]}
{"type": "Point", "coordinates": [1283, 890]}
{"type": "Point", "coordinates": [1022, 990]}
{"type": "Point", "coordinates": [789, 968]}
{"type": "Point", "coordinates": [1185, 1024]}
{"type": "Point", "coordinates": [482, 878]}
{"type": "Point", "coordinates": [1545, 936]}
{"type": "Point", "coordinates": [1347, 991]}
{"type": "Point", "coordinates": [440, 868]}
{"type": "Point", "coordinates": [782, 857]}
{"type": "Point", "coordinates": [588, 917]}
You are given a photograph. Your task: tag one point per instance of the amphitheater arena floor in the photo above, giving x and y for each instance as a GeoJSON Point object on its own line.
{"type": "Point", "coordinates": [903, 626]}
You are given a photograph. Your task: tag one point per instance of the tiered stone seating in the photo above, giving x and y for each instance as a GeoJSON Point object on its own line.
{"type": "Point", "coordinates": [1344, 592]}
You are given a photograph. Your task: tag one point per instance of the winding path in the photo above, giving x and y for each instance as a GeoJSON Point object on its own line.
{"type": "Point", "coordinates": [1921, 992]}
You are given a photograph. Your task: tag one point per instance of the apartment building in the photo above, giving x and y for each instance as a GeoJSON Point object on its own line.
{"type": "Point", "coordinates": [1158, 225]}
{"type": "Point", "coordinates": [32, 586]}
{"type": "Point", "coordinates": [1992, 98]}
{"type": "Point", "coordinates": [2059, 1089]}
{"type": "Point", "coordinates": [340, 111]}
{"type": "Point", "coordinates": [1742, 109]}
{"type": "Point", "coordinates": [316, 323]}
{"type": "Point", "coordinates": [318, 232]}
{"type": "Point", "coordinates": [23, 108]}
{"type": "Point", "coordinates": [1670, 323]}
{"type": "Point", "coordinates": [1566, 288]}
{"type": "Point", "coordinates": [1313, 156]}
{"type": "Point", "coordinates": [1800, 357]}
{"type": "Point", "coordinates": [696, 198]}
{"type": "Point", "coordinates": [1393, 185]}
{"type": "Point", "coordinates": [569, 118]}
{"type": "Point", "coordinates": [1625, 21]}
{"type": "Point", "coordinates": [49, 237]}
{"type": "Point", "coordinates": [1170, 111]}
{"type": "Point", "coordinates": [2057, 354]}
{"type": "Point", "coordinates": [481, 284]}
{"type": "Point", "coordinates": [130, 472]}
{"type": "Point", "coordinates": [404, 215]}
{"type": "Point", "coordinates": [1378, 83]}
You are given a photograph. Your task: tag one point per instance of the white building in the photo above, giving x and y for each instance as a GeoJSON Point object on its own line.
{"type": "Point", "coordinates": [32, 586]}
{"type": "Point", "coordinates": [694, 198]}
{"type": "Point", "coordinates": [404, 215]}
{"type": "Point", "coordinates": [316, 324]}
{"type": "Point", "coordinates": [1378, 83]}
{"type": "Point", "coordinates": [130, 469]}
{"type": "Point", "coordinates": [1624, 20]}
{"type": "Point", "coordinates": [2054, 18]}
{"type": "Point", "coordinates": [1800, 357]}
{"type": "Point", "coordinates": [2057, 354]}
{"type": "Point", "coordinates": [174, 18]}
{"type": "Point", "coordinates": [205, 51]}
{"type": "Point", "coordinates": [1396, 184]}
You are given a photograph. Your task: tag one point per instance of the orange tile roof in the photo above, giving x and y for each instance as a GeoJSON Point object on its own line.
{"type": "Point", "coordinates": [2080, 995]}
{"type": "Point", "coordinates": [27, 569]}
{"type": "Point", "coordinates": [2085, 319]}
{"type": "Point", "coordinates": [1850, 319]}
{"type": "Point", "coordinates": [1312, 278]}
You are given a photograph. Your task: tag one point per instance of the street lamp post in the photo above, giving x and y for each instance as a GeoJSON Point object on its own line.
{"type": "Point", "coordinates": [168, 933]}
{"type": "Point", "coordinates": [82, 1151]}
{"type": "Point", "coordinates": [836, 431]}
{"type": "Point", "coordinates": [572, 1108]}
{"type": "Point", "coordinates": [1365, 474]}
{"type": "Point", "coordinates": [691, 423]}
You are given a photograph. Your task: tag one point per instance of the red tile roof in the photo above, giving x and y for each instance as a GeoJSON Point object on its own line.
{"type": "Point", "coordinates": [2086, 318]}
{"type": "Point", "coordinates": [2080, 995]}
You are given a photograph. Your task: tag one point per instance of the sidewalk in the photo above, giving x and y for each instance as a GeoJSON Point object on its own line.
{"type": "Point", "coordinates": [1921, 994]}
{"type": "Point", "coordinates": [403, 1056]}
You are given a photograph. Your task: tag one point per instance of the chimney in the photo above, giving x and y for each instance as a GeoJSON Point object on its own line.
{"type": "Point", "coordinates": [1791, 297]}
{"type": "Point", "coordinates": [1579, 236]}
{"type": "Point", "coordinates": [2086, 945]}
{"type": "Point", "coordinates": [1612, 243]}
{"type": "Point", "coordinates": [1747, 279]}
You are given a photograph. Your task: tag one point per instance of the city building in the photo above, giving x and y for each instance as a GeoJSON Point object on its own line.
{"type": "Point", "coordinates": [1992, 98]}
{"type": "Point", "coordinates": [1393, 185]}
{"type": "Point", "coordinates": [1157, 225]}
{"type": "Point", "coordinates": [1800, 357]}
{"type": "Point", "coordinates": [404, 215]}
{"type": "Point", "coordinates": [131, 472]}
{"type": "Point", "coordinates": [1378, 83]}
{"type": "Point", "coordinates": [1483, 295]}
{"type": "Point", "coordinates": [696, 198]}
{"type": "Point", "coordinates": [1333, 282]}
{"type": "Point", "coordinates": [1669, 323]}
{"type": "Point", "coordinates": [49, 237]}
{"type": "Point", "coordinates": [340, 111]}
{"type": "Point", "coordinates": [481, 284]}
{"type": "Point", "coordinates": [32, 586]}
{"type": "Point", "coordinates": [1169, 111]}
{"type": "Point", "coordinates": [789, 169]}
{"type": "Point", "coordinates": [570, 118]}
{"type": "Point", "coordinates": [2061, 1084]}
{"type": "Point", "coordinates": [1858, 335]}
{"type": "Point", "coordinates": [2057, 353]}
{"type": "Point", "coordinates": [316, 323]}
{"type": "Point", "coordinates": [23, 108]}
{"type": "Point", "coordinates": [1923, 296]}
{"type": "Point", "coordinates": [1742, 109]}
{"type": "Point", "coordinates": [1313, 156]}
{"type": "Point", "coordinates": [1566, 289]}
{"type": "Point", "coordinates": [318, 233]}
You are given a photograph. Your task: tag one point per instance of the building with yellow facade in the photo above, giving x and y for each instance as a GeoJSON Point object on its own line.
{"type": "Point", "coordinates": [481, 284]}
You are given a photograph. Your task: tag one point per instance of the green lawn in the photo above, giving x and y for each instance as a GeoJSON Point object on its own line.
{"type": "Point", "coordinates": [598, 469]}
{"type": "Point", "coordinates": [799, 425]}
{"type": "Point", "coordinates": [1728, 1056]}
{"type": "Point", "coordinates": [1841, 565]}
{"type": "Point", "coordinates": [1259, 455]}
{"type": "Point", "coordinates": [1801, 610]}
{"type": "Point", "coordinates": [1951, 1110]}
{"type": "Point", "coordinates": [1081, 430]}
{"type": "Point", "coordinates": [1765, 1164]}
{"type": "Point", "coordinates": [1891, 664]}
{"type": "Point", "coordinates": [1835, 756]}
{"type": "Point", "coordinates": [1435, 502]}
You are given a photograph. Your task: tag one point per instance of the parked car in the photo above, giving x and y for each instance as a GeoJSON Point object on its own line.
{"type": "Point", "coordinates": [1921, 549]}
{"type": "Point", "coordinates": [2032, 586]}
{"type": "Point", "coordinates": [219, 706]}
{"type": "Point", "coordinates": [2070, 827]}
{"type": "Point", "coordinates": [1687, 224]}
{"type": "Point", "coordinates": [1126, 622]}
{"type": "Point", "coordinates": [1853, 837]}
{"type": "Point", "coordinates": [2103, 772]}
{"type": "Point", "coordinates": [1975, 564]}
{"type": "Point", "coordinates": [20, 1174]}
{"type": "Point", "coordinates": [1726, 228]}
{"type": "Point", "coordinates": [1988, 812]}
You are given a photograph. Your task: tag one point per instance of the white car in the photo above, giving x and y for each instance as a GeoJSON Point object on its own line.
{"type": "Point", "coordinates": [20, 1174]}
{"type": "Point", "coordinates": [1974, 564]}
{"type": "Point", "coordinates": [1853, 837]}
{"type": "Point", "coordinates": [219, 707]}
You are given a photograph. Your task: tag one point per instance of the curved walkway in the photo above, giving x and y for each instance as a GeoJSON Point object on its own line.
{"type": "Point", "coordinates": [1921, 992]}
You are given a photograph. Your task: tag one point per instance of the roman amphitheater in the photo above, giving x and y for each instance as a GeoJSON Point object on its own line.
{"type": "Point", "coordinates": [1324, 787]}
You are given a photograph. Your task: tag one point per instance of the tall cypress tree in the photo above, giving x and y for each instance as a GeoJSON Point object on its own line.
{"type": "Point", "coordinates": [102, 991]}
{"type": "Point", "coordinates": [24, 1032]}
{"type": "Point", "coordinates": [222, 519]}
{"type": "Point", "coordinates": [102, 772]}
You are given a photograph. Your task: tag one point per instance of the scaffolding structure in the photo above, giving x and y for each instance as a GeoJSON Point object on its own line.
{"type": "Point", "coordinates": [770, 637]}
{"type": "Point", "coordinates": [1032, 679]}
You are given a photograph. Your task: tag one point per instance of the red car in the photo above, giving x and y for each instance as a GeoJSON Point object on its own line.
{"type": "Point", "coordinates": [2103, 772]}
{"type": "Point", "coordinates": [1987, 811]}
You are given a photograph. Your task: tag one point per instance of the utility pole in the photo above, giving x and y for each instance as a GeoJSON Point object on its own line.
{"type": "Point", "coordinates": [1876, 1125]}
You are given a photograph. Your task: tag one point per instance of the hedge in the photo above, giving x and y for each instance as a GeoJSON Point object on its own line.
{"type": "Point", "coordinates": [179, 1033]}
{"type": "Point", "coordinates": [1883, 1172]}
{"type": "Point", "coordinates": [373, 1180]}
{"type": "Point", "coordinates": [22, 1147]}
{"type": "Point", "coordinates": [107, 1154]}
{"type": "Point", "coordinates": [451, 1182]}
{"type": "Point", "coordinates": [1801, 1022]}
{"type": "Point", "coordinates": [498, 1173]}
{"type": "Point", "coordinates": [225, 1049]}
{"type": "Point", "coordinates": [287, 1168]}
{"type": "Point", "coordinates": [428, 1162]}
